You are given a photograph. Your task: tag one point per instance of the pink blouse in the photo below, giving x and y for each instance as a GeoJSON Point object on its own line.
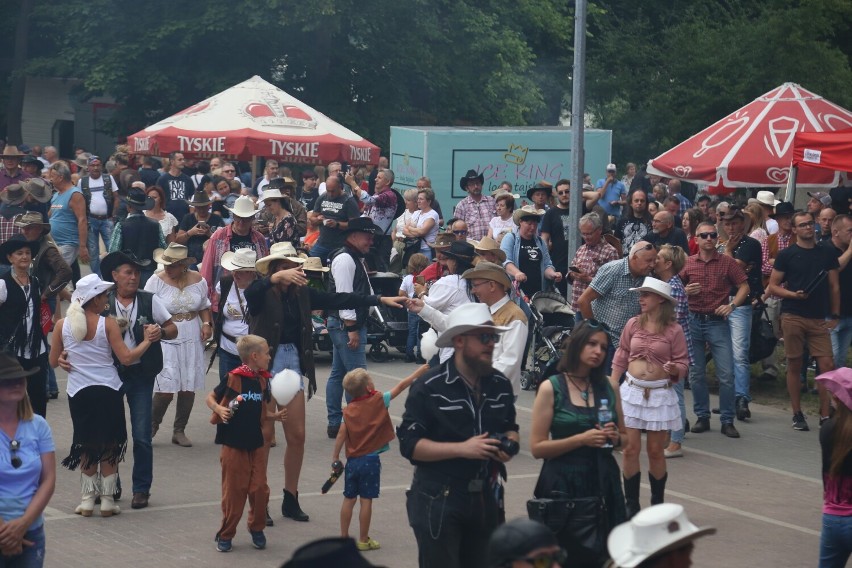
{"type": "Point", "coordinates": [659, 348]}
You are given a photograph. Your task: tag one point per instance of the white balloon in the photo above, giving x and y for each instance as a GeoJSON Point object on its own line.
{"type": "Point", "coordinates": [427, 344]}
{"type": "Point", "coordinates": [285, 385]}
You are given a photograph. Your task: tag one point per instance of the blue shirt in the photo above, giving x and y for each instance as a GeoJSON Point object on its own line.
{"type": "Point", "coordinates": [613, 192]}
{"type": "Point", "coordinates": [20, 485]}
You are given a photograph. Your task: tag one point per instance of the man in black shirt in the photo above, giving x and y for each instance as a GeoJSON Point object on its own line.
{"type": "Point", "coordinates": [555, 227]}
{"type": "Point", "coordinates": [748, 254]}
{"type": "Point", "coordinates": [664, 232]}
{"type": "Point", "coordinates": [177, 186]}
{"type": "Point", "coordinates": [332, 212]}
{"type": "Point", "coordinates": [451, 417]}
{"type": "Point", "coordinates": [810, 308]}
{"type": "Point", "coordinates": [841, 244]}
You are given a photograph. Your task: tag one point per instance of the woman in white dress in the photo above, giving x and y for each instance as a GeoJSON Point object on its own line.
{"type": "Point", "coordinates": [184, 293]}
{"type": "Point", "coordinates": [168, 222]}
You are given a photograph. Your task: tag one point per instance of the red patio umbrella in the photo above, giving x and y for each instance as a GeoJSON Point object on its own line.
{"type": "Point", "coordinates": [255, 118]}
{"type": "Point", "coordinates": [753, 146]}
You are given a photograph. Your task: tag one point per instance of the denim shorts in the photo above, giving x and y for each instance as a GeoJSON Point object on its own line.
{"type": "Point", "coordinates": [287, 357]}
{"type": "Point", "coordinates": [363, 477]}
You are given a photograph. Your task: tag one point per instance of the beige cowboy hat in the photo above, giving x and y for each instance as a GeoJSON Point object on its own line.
{"type": "Point", "coordinates": [38, 188]}
{"type": "Point", "coordinates": [465, 318]}
{"type": "Point", "coordinates": [767, 198]}
{"type": "Point", "coordinates": [82, 160]}
{"type": "Point", "coordinates": [11, 151]}
{"type": "Point", "coordinates": [487, 244]}
{"type": "Point", "coordinates": [241, 259]}
{"type": "Point", "coordinates": [31, 218]}
{"type": "Point", "coordinates": [173, 254]}
{"type": "Point", "coordinates": [13, 194]}
{"type": "Point", "coordinates": [526, 211]}
{"type": "Point", "coordinates": [243, 207]}
{"type": "Point", "coordinates": [485, 270]}
{"type": "Point", "coordinates": [500, 193]}
{"type": "Point", "coordinates": [278, 251]}
{"type": "Point", "coordinates": [315, 264]}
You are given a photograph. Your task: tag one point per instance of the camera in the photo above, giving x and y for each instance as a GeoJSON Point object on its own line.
{"type": "Point", "coordinates": [507, 445]}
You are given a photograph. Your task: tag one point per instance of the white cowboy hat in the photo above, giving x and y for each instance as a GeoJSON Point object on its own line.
{"type": "Point", "coordinates": [241, 259]}
{"type": "Point", "coordinates": [278, 251]}
{"type": "Point", "coordinates": [652, 531]}
{"type": "Point", "coordinates": [767, 198]}
{"type": "Point", "coordinates": [655, 286]}
{"type": "Point", "coordinates": [526, 211]}
{"type": "Point", "coordinates": [243, 207]}
{"type": "Point", "coordinates": [467, 317]}
{"type": "Point", "coordinates": [88, 287]}
{"type": "Point", "coordinates": [172, 254]}
{"type": "Point", "coordinates": [271, 194]}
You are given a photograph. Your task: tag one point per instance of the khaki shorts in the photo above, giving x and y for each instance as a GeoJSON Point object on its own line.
{"type": "Point", "coordinates": [799, 331]}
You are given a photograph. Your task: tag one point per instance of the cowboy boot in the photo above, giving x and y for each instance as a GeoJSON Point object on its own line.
{"type": "Point", "coordinates": [108, 506]}
{"type": "Point", "coordinates": [290, 507]}
{"type": "Point", "coordinates": [631, 494]}
{"type": "Point", "coordinates": [88, 491]}
{"type": "Point", "coordinates": [185, 400]}
{"type": "Point", "coordinates": [160, 405]}
{"type": "Point", "coordinates": [658, 488]}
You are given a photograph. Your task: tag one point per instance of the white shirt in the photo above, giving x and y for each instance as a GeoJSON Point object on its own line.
{"type": "Point", "coordinates": [771, 226]}
{"type": "Point", "coordinates": [445, 295]}
{"type": "Point", "coordinates": [343, 271]}
{"type": "Point", "coordinates": [233, 323]}
{"type": "Point", "coordinates": [96, 187]}
{"type": "Point", "coordinates": [401, 222]}
{"type": "Point", "coordinates": [407, 285]}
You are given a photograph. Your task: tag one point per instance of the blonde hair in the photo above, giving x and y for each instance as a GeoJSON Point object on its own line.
{"type": "Point", "coordinates": [25, 409]}
{"type": "Point", "coordinates": [757, 214]}
{"type": "Point", "coordinates": [355, 382]}
{"type": "Point", "coordinates": [248, 344]}
{"type": "Point", "coordinates": [674, 254]}
{"type": "Point", "coordinates": [76, 318]}
{"type": "Point", "coordinates": [665, 317]}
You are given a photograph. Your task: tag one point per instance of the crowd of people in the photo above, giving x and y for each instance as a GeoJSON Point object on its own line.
{"type": "Point", "coordinates": [186, 254]}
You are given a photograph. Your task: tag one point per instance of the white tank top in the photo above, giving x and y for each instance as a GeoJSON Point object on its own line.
{"type": "Point", "coordinates": [91, 361]}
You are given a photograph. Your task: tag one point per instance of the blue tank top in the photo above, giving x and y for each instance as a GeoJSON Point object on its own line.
{"type": "Point", "coordinates": [63, 222]}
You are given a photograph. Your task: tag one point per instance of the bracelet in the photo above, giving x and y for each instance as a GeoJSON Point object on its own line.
{"type": "Point", "coordinates": [207, 323]}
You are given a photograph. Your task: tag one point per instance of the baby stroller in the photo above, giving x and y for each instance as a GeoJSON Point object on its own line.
{"type": "Point", "coordinates": [553, 320]}
{"type": "Point", "coordinates": [386, 327]}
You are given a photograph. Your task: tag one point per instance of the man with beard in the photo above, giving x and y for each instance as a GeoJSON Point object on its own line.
{"type": "Point", "coordinates": [455, 501]}
{"type": "Point", "coordinates": [664, 231]}
{"type": "Point", "coordinates": [476, 209]}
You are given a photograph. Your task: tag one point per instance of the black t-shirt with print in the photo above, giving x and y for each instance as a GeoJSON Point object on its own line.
{"type": "Point", "coordinates": [243, 430]}
{"type": "Point", "coordinates": [557, 224]}
{"type": "Point", "coordinates": [341, 208]}
{"type": "Point", "coordinates": [530, 259]}
{"type": "Point", "coordinates": [241, 242]}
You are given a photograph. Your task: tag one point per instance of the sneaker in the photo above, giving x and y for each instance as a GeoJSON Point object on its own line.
{"type": "Point", "coordinates": [823, 420]}
{"type": "Point", "coordinates": [799, 422]}
{"type": "Point", "coordinates": [258, 539]}
{"type": "Point", "coordinates": [369, 545]}
{"type": "Point", "coordinates": [223, 545]}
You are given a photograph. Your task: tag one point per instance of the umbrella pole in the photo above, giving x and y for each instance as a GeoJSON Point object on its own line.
{"type": "Point", "coordinates": [791, 185]}
{"type": "Point", "coordinates": [254, 165]}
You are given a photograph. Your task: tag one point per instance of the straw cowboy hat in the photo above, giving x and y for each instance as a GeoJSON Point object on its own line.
{"type": "Point", "coordinates": [113, 260]}
{"type": "Point", "coordinates": [173, 254]}
{"type": "Point", "coordinates": [241, 259]}
{"type": "Point", "coordinates": [31, 218]}
{"type": "Point", "coordinates": [767, 198]}
{"type": "Point", "coordinates": [525, 212]}
{"type": "Point", "coordinates": [38, 188]}
{"type": "Point", "coordinates": [315, 264]}
{"type": "Point", "coordinates": [269, 194]}
{"type": "Point", "coordinates": [243, 207]}
{"type": "Point", "coordinates": [489, 271]}
{"type": "Point", "coordinates": [470, 176]}
{"type": "Point", "coordinates": [653, 531]}
{"type": "Point", "coordinates": [88, 287]}
{"type": "Point", "coordinates": [499, 193]}
{"type": "Point", "coordinates": [11, 151]}
{"type": "Point", "coordinates": [487, 244]}
{"type": "Point", "coordinates": [464, 318]}
{"type": "Point", "coordinates": [657, 287]}
{"type": "Point", "coordinates": [82, 161]}
{"type": "Point", "coordinates": [278, 251]}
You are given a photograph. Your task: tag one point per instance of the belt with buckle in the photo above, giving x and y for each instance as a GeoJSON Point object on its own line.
{"type": "Point", "coordinates": [99, 217]}
{"type": "Point", "coordinates": [707, 317]}
{"type": "Point", "coordinates": [186, 316]}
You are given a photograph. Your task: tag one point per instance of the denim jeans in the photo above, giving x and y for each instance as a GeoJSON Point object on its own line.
{"type": "Point", "coordinates": [139, 391]}
{"type": "Point", "coordinates": [841, 337]}
{"type": "Point", "coordinates": [835, 542]}
{"type": "Point", "coordinates": [32, 556]}
{"type": "Point", "coordinates": [321, 252]}
{"type": "Point", "coordinates": [412, 345]}
{"type": "Point", "coordinates": [678, 435]}
{"type": "Point", "coordinates": [227, 363]}
{"type": "Point", "coordinates": [343, 360]}
{"type": "Point", "coordinates": [739, 321]}
{"type": "Point", "coordinates": [98, 229]}
{"type": "Point", "coordinates": [718, 335]}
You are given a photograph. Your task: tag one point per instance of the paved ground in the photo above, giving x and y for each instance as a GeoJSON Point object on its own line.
{"type": "Point", "coordinates": [762, 492]}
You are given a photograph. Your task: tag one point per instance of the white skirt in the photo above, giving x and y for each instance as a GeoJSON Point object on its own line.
{"type": "Point", "coordinates": [658, 412]}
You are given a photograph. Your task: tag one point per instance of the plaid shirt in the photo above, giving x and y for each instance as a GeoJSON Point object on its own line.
{"type": "Point", "coordinates": [589, 260]}
{"type": "Point", "coordinates": [682, 312]}
{"type": "Point", "coordinates": [219, 244]}
{"type": "Point", "coordinates": [8, 228]}
{"type": "Point", "coordinates": [616, 304]}
{"type": "Point", "coordinates": [717, 276]}
{"type": "Point", "coordinates": [476, 215]}
{"type": "Point", "coordinates": [685, 203]}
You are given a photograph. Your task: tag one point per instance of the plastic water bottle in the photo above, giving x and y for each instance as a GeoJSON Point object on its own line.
{"type": "Point", "coordinates": [605, 417]}
{"type": "Point", "coordinates": [234, 405]}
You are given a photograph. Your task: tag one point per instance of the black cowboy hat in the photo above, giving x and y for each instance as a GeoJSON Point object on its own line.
{"type": "Point", "coordinates": [31, 160]}
{"type": "Point", "coordinates": [115, 259]}
{"type": "Point", "coordinates": [16, 242]}
{"type": "Point", "coordinates": [10, 368]}
{"type": "Point", "coordinates": [363, 225]}
{"type": "Point", "coordinates": [137, 198]}
{"type": "Point", "coordinates": [540, 186]}
{"type": "Point", "coordinates": [461, 250]}
{"type": "Point", "coordinates": [470, 175]}
{"type": "Point", "coordinates": [328, 552]}
{"type": "Point", "coordinates": [783, 208]}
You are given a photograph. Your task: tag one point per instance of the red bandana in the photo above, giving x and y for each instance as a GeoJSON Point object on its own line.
{"type": "Point", "coordinates": [245, 371]}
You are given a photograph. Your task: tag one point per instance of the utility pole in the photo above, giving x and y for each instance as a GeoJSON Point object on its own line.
{"type": "Point", "coordinates": [578, 111]}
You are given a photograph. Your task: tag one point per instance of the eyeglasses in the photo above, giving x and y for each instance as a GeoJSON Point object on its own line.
{"type": "Point", "coordinates": [14, 446]}
{"type": "Point", "coordinates": [708, 235]}
{"type": "Point", "coordinates": [548, 560]}
{"type": "Point", "coordinates": [460, 232]}
{"type": "Point", "coordinates": [485, 338]}
{"type": "Point", "coordinates": [805, 225]}
{"type": "Point", "coordinates": [475, 285]}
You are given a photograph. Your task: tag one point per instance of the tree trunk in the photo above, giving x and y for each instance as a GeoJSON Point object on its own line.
{"type": "Point", "coordinates": [14, 133]}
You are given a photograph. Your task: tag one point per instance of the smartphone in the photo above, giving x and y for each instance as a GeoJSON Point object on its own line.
{"type": "Point", "coordinates": [203, 226]}
{"type": "Point", "coordinates": [420, 280]}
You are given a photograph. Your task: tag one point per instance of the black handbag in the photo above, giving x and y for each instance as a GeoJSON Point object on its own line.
{"type": "Point", "coordinates": [762, 341]}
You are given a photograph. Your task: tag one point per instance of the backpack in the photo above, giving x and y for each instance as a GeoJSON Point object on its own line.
{"type": "Point", "coordinates": [87, 193]}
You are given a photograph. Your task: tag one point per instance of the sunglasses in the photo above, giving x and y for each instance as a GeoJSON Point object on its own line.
{"type": "Point", "coordinates": [708, 235]}
{"type": "Point", "coordinates": [461, 232]}
{"type": "Point", "coordinates": [229, 171]}
{"type": "Point", "coordinates": [562, 192]}
{"type": "Point", "coordinates": [548, 560]}
{"type": "Point", "coordinates": [14, 446]}
{"type": "Point", "coordinates": [485, 338]}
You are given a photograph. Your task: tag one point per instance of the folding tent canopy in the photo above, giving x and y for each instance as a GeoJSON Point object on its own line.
{"type": "Point", "coordinates": [823, 151]}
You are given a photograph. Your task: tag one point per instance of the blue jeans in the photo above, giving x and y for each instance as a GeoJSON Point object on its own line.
{"type": "Point", "coordinates": [321, 252]}
{"type": "Point", "coordinates": [412, 345]}
{"type": "Point", "coordinates": [227, 363]}
{"type": "Point", "coordinates": [343, 360]}
{"type": "Point", "coordinates": [835, 542]}
{"type": "Point", "coordinates": [287, 357]}
{"type": "Point", "coordinates": [740, 324]}
{"type": "Point", "coordinates": [102, 229]}
{"type": "Point", "coordinates": [32, 556]}
{"type": "Point", "coordinates": [718, 335]}
{"type": "Point", "coordinates": [678, 435]}
{"type": "Point", "coordinates": [841, 337]}
{"type": "Point", "coordinates": [139, 391]}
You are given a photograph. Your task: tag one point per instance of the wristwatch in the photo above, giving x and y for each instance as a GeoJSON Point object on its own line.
{"type": "Point", "coordinates": [733, 306]}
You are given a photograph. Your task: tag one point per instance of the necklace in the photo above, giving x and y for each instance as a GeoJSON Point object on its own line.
{"type": "Point", "coordinates": [584, 393]}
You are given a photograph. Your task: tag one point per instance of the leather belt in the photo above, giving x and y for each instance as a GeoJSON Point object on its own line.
{"type": "Point", "coordinates": [99, 217]}
{"type": "Point", "coordinates": [186, 316]}
{"type": "Point", "coordinates": [707, 317]}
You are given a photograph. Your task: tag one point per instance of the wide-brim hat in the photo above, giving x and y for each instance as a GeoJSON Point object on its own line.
{"type": "Point", "coordinates": [658, 287]}
{"type": "Point", "coordinates": [113, 260]}
{"type": "Point", "coordinates": [31, 218]}
{"type": "Point", "coordinates": [651, 532]}
{"type": "Point", "coordinates": [240, 259]}
{"type": "Point", "coordinates": [470, 175]}
{"type": "Point", "coordinates": [461, 250]}
{"type": "Point", "coordinates": [526, 211]}
{"type": "Point", "coordinates": [14, 194]}
{"type": "Point", "coordinates": [443, 241]}
{"type": "Point", "coordinates": [767, 198]}
{"type": "Point", "coordinates": [82, 160]}
{"type": "Point", "coordinates": [31, 160]}
{"type": "Point", "coordinates": [278, 251]}
{"type": "Point", "coordinates": [38, 188]}
{"type": "Point", "coordinates": [199, 199]}
{"type": "Point", "coordinates": [243, 207]}
{"type": "Point", "coordinates": [88, 287]}
{"type": "Point", "coordinates": [839, 383]}
{"type": "Point", "coordinates": [315, 264]}
{"type": "Point", "coordinates": [485, 270]}
{"type": "Point", "coordinates": [540, 186]}
{"type": "Point", "coordinates": [281, 183]}
{"type": "Point", "coordinates": [501, 193]}
{"type": "Point", "coordinates": [363, 225]}
{"type": "Point", "coordinates": [136, 197]}
{"type": "Point", "coordinates": [464, 318]}
{"type": "Point", "coordinates": [10, 368]}
{"type": "Point", "coordinates": [16, 242]}
{"type": "Point", "coordinates": [783, 208]}
{"type": "Point", "coordinates": [273, 193]}
{"type": "Point", "coordinates": [173, 254]}
{"type": "Point", "coordinates": [11, 151]}
{"type": "Point", "coordinates": [487, 244]}
{"type": "Point", "coordinates": [328, 552]}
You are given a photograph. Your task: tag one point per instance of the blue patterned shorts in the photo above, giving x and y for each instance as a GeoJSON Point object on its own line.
{"type": "Point", "coordinates": [363, 477]}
